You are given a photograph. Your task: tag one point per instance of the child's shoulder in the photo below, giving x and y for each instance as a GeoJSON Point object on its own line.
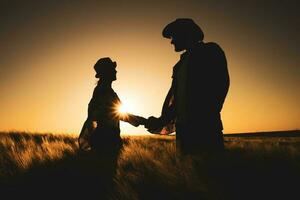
{"type": "Point", "coordinates": [104, 91]}
{"type": "Point", "coordinates": [98, 89]}
{"type": "Point", "coordinates": [114, 94]}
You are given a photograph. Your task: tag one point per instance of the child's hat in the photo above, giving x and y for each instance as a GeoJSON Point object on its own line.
{"type": "Point", "coordinates": [103, 65]}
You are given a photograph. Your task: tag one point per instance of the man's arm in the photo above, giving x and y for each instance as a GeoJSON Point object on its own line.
{"type": "Point", "coordinates": [155, 125]}
{"type": "Point", "coordinates": [168, 110]}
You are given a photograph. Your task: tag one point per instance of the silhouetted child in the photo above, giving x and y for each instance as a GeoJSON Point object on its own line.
{"type": "Point", "coordinates": [101, 130]}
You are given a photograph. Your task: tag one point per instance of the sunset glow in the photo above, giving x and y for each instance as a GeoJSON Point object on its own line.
{"type": "Point", "coordinates": [48, 51]}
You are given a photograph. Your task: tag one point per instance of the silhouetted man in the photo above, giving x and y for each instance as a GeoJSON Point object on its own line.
{"type": "Point", "coordinates": [199, 87]}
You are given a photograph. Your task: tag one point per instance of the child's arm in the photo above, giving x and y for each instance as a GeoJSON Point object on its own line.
{"type": "Point", "coordinates": [134, 120]}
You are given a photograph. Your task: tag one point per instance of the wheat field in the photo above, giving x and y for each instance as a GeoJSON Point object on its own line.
{"type": "Point", "coordinates": [39, 166]}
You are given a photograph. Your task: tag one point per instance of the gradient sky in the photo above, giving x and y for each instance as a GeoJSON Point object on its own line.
{"type": "Point", "coordinates": [48, 49]}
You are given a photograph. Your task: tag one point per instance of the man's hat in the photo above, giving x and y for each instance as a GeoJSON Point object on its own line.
{"type": "Point", "coordinates": [103, 65]}
{"type": "Point", "coordinates": [183, 26]}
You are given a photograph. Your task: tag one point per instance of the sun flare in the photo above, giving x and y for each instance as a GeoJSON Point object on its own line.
{"type": "Point", "coordinates": [122, 109]}
{"type": "Point", "coordinates": [125, 108]}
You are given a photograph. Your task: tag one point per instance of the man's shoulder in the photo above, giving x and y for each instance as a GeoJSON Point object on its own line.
{"type": "Point", "coordinates": [212, 46]}
{"type": "Point", "coordinates": [204, 50]}
{"type": "Point", "coordinates": [211, 50]}
{"type": "Point", "coordinates": [205, 47]}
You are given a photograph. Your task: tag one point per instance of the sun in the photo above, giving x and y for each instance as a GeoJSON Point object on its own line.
{"type": "Point", "coordinates": [125, 108]}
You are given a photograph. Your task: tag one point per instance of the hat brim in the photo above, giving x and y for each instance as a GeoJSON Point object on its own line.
{"type": "Point", "coordinates": [183, 26]}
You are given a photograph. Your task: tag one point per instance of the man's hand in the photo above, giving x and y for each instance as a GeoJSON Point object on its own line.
{"type": "Point", "coordinates": [153, 125]}
{"type": "Point", "coordinates": [137, 120]}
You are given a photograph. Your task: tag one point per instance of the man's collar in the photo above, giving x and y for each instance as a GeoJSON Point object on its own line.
{"type": "Point", "coordinates": [194, 46]}
{"type": "Point", "coordinates": [189, 50]}
{"type": "Point", "coordinates": [183, 54]}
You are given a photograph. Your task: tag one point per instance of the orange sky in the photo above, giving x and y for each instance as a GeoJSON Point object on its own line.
{"type": "Point", "coordinates": [48, 51]}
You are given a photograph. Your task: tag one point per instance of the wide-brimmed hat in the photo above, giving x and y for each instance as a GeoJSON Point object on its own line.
{"type": "Point", "coordinates": [183, 26]}
{"type": "Point", "coordinates": [104, 65]}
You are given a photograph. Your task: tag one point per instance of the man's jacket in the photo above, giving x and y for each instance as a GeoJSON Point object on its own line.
{"type": "Point", "coordinates": [198, 91]}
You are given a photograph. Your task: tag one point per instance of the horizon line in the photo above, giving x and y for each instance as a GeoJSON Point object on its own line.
{"type": "Point", "coordinates": [77, 133]}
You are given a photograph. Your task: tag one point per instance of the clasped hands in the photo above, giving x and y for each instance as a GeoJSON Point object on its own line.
{"type": "Point", "coordinates": [152, 124]}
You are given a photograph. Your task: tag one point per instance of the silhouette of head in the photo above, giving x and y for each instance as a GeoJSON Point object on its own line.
{"type": "Point", "coordinates": [106, 69]}
{"type": "Point", "coordinates": [184, 32]}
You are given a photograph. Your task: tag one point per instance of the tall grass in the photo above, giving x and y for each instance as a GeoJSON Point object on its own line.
{"type": "Point", "coordinates": [149, 168]}
{"type": "Point", "coordinates": [20, 151]}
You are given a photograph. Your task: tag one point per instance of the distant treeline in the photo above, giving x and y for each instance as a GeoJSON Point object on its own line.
{"type": "Point", "coordinates": [288, 133]}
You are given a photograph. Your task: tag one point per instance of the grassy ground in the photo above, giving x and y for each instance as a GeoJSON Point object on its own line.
{"type": "Point", "coordinates": [45, 165]}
